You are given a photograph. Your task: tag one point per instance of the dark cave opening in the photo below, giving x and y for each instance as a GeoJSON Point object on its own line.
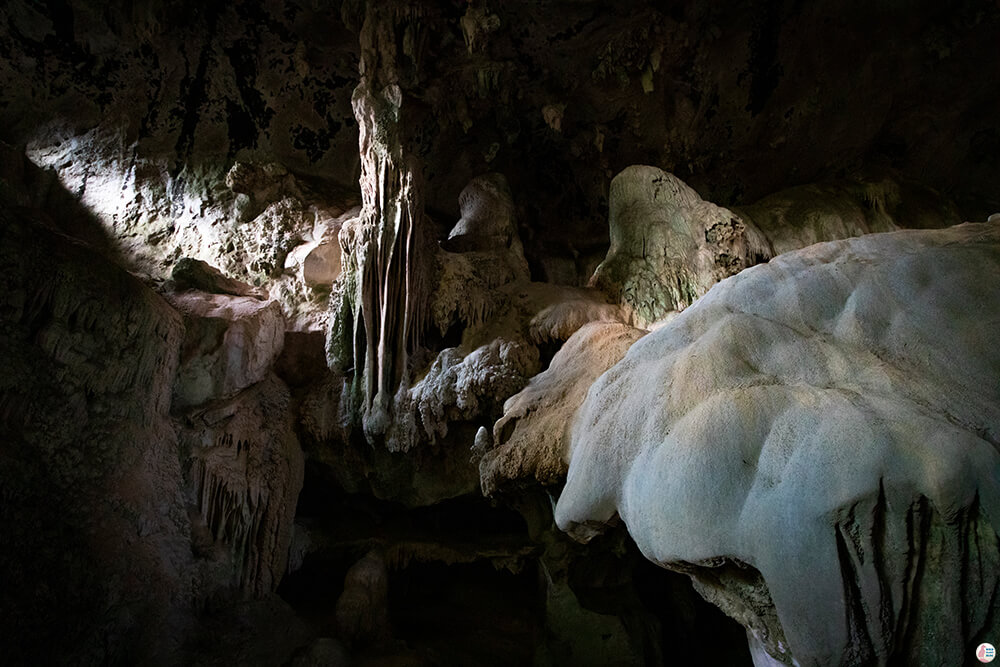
{"type": "Point", "coordinates": [312, 590]}
{"type": "Point", "coordinates": [467, 613]}
{"type": "Point", "coordinates": [449, 606]}
{"type": "Point", "coordinates": [689, 625]}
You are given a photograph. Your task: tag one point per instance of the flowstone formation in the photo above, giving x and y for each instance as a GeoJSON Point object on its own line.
{"type": "Point", "coordinates": [668, 245]}
{"type": "Point", "coordinates": [381, 305]}
{"type": "Point", "coordinates": [530, 443]}
{"type": "Point", "coordinates": [815, 442]}
{"type": "Point", "coordinates": [243, 467]}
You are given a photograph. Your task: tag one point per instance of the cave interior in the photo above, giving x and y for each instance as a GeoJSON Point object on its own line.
{"type": "Point", "coordinates": [468, 332]}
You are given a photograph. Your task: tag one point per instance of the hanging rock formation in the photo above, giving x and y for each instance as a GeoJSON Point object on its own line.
{"type": "Point", "coordinates": [243, 464]}
{"type": "Point", "coordinates": [381, 306]}
{"type": "Point", "coordinates": [244, 473]}
{"type": "Point", "coordinates": [815, 442]}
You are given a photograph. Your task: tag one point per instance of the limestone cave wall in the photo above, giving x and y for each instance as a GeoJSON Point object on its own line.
{"type": "Point", "coordinates": [451, 332]}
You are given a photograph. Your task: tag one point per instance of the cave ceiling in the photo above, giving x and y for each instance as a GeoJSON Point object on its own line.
{"type": "Point", "coordinates": [739, 100]}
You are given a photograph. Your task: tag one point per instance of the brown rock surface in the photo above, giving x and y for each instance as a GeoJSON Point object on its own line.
{"type": "Point", "coordinates": [244, 474]}
{"type": "Point", "coordinates": [95, 559]}
{"type": "Point", "coordinates": [230, 343]}
{"type": "Point", "coordinates": [531, 440]}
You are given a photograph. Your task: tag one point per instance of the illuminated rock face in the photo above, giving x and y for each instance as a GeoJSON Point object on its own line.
{"type": "Point", "coordinates": [815, 442]}
{"type": "Point", "coordinates": [231, 342]}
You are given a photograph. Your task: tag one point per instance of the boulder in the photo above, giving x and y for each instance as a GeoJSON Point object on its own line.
{"type": "Point", "coordinates": [488, 221]}
{"type": "Point", "coordinates": [193, 274]}
{"type": "Point", "coordinates": [363, 607]}
{"type": "Point", "coordinates": [805, 214]}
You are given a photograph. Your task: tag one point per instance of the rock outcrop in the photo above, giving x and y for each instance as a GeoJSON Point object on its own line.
{"type": "Point", "coordinates": [363, 607]}
{"type": "Point", "coordinates": [815, 442]}
{"type": "Point", "coordinates": [230, 343]}
{"type": "Point", "coordinates": [532, 438]}
{"type": "Point", "coordinates": [668, 245]}
{"type": "Point", "coordinates": [800, 216]}
{"type": "Point", "coordinates": [193, 274]}
{"type": "Point", "coordinates": [150, 463]}
{"type": "Point", "coordinates": [244, 472]}
{"type": "Point", "coordinates": [95, 561]}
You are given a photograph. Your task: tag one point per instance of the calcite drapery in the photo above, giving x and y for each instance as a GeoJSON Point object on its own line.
{"type": "Point", "coordinates": [382, 301]}
{"type": "Point", "coordinates": [816, 445]}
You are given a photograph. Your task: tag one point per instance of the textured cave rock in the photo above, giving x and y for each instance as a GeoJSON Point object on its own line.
{"type": "Point", "coordinates": [167, 134]}
{"type": "Point", "coordinates": [504, 331]}
{"type": "Point", "coordinates": [668, 245]}
{"type": "Point", "coordinates": [121, 521]}
{"type": "Point", "coordinates": [489, 223]}
{"type": "Point", "coordinates": [380, 308]}
{"type": "Point", "coordinates": [324, 652]}
{"type": "Point", "coordinates": [285, 238]}
{"type": "Point", "coordinates": [531, 439]}
{"type": "Point", "coordinates": [142, 110]}
{"type": "Point", "coordinates": [193, 274]}
{"type": "Point", "coordinates": [815, 443]}
{"type": "Point", "coordinates": [96, 560]}
{"type": "Point", "coordinates": [244, 472]}
{"type": "Point", "coordinates": [738, 102]}
{"type": "Point", "coordinates": [230, 343]}
{"type": "Point", "coordinates": [363, 607]}
{"type": "Point", "coordinates": [796, 217]}
{"type": "Point", "coordinates": [483, 303]}
{"type": "Point", "coordinates": [482, 254]}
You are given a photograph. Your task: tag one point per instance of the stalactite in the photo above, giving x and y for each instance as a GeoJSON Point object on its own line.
{"type": "Point", "coordinates": [383, 301]}
{"type": "Point", "coordinates": [238, 514]}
